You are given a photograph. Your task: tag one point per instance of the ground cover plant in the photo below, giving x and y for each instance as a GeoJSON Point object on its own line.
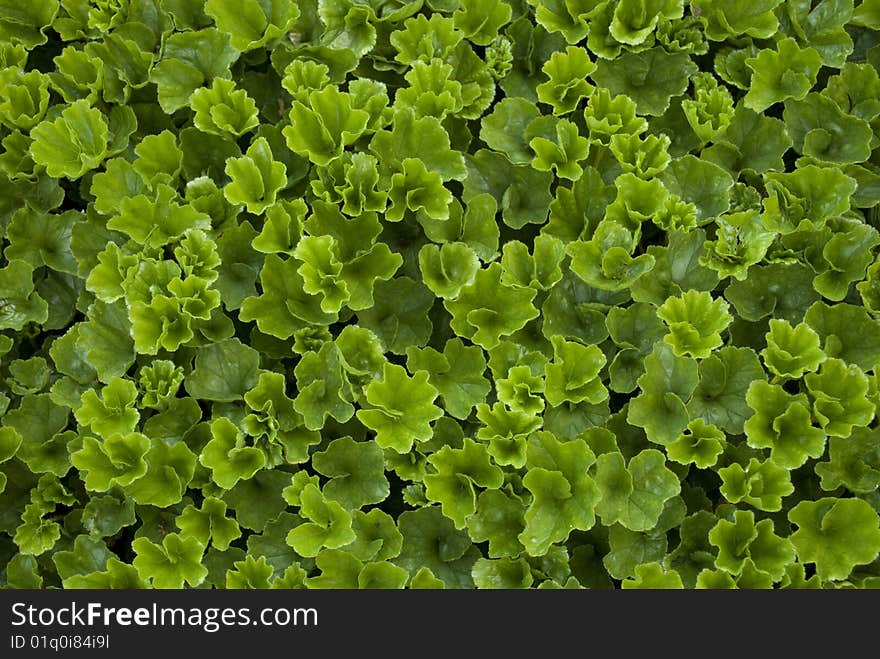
{"type": "Point", "coordinates": [442, 293]}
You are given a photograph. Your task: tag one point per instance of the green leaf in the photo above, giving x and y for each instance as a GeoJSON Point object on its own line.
{"type": "Point", "coordinates": [349, 25]}
{"type": "Point", "coordinates": [253, 23]}
{"type": "Point", "coordinates": [792, 351]}
{"type": "Point", "coordinates": [845, 257]}
{"type": "Point", "coordinates": [629, 549]}
{"type": "Point", "coordinates": [209, 523]}
{"type": "Point", "coordinates": [608, 114]}
{"type": "Point", "coordinates": [507, 573]}
{"type": "Point", "coordinates": [414, 188]}
{"type": "Point", "coordinates": [401, 408]}
{"type": "Point", "coordinates": [669, 381]}
{"type": "Point", "coordinates": [320, 130]}
{"type": "Point", "coordinates": [104, 516]}
{"type": "Point", "coordinates": [72, 144]}
{"type": "Point", "coordinates": [27, 98]}
{"type": "Point", "coordinates": [760, 484]}
{"type": "Point", "coordinates": [561, 154]}
{"type": "Point", "coordinates": [634, 494]}
{"type": "Point", "coordinates": [711, 110]}
{"type": "Point", "coordinates": [339, 569]}
{"type": "Point", "coordinates": [520, 390]}
{"type": "Point", "coordinates": [522, 193]}
{"type": "Point", "coordinates": [654, 577]}
{"type": "Point", "coordinates": [840, 397]}
{"type": "Point", "coordinates": [257, 500]}
{"type": "Point", "coordinates": [321, 383]}
{"type": "Point", "coordinates": [567, 85]}
{"type": "Point", "coordinates": [486, 309]}
{"type": "Point", "coordinates": [741, 242]}
{"type": "Point", "coordinates": [432, 90]}
{"type": "Point", "coordinates": [573, 375]}
{"type": "Point", "coordinates": [782, 423]}
{"type": "Point", "coordinates": [250, 573]}
{"type": "Point", "coordinates": [424, 39]}
{"type": "Point", "coordinates": [695, 320]}
{"type": "Point", "coordinates": [25, 24]}
{"type": "Point", "coordinates": [377, 536]}
{"type": "Point", "coordinates": [787, 72]}
{"type": "Point", "coordinates": [36, 535]}
{"type": "Point", "coordinates": [159, 382]}
{"type": "Point", "coordinates": [355, 262]}
{"type": "Point", "coordinates": [751, 141]}
{"type": "Point", "coordinates": [10, 441]}
{"type": "Point", "coordinates": [23, 572]}
{"type": "Point", "coordinates": [720, 396]}
{"type": "Point", "coordinates": [171, 564]}
{"type": "Point", "coordinates": [223, 110]}
{"type": "Point", "coordinates": [499, 519]}
{"type": "Point", "coordinates": [743, 539]}
{"type": "Point", "coordinates": [835, 534]}
{"type": "Point", "coordinates": [481, 21]}
{"type": "Point", "coordinates": [866, 14]}
{"type": "Point", "coordinates": [226, 455]}
{"type": "Point", "coordinates": [569, 18]}
{"type": "Point", "coordinates": [118, 575]}
{"type": "Point", "coordinates": [118, 460]}
{"type": "Point", "coordinates": [805, 198]}
{"type": "Point", "coordinates": [284, 306]}
{"type": "Point", "coordinates": [822, 131]}
{"type": "Point", "coordinates": [541, 270]}
{"type": "Point", "coordinates": [158, 220]}
{"type": "Point", "coordinates": [651, 78]}
{"type": "Point", "coordinates": [40, 423]}
{"type": "Point", "coordinates": [563, 495]}
{"type": "Point", "coordinates": [223, 371]}
{"type": "Point", "coordinates": [457, 373]}
{"type": "Point", "coordinates": [853, 462]}
{"type": "Point", "coordinates": [421, 138]}
{"type": "Point", "coordinates": [847, 332]}
{"type": "Point", "coordinates": [114, 412]}
{"type": "Point", "coordinates": [605, 261]}
{"type": "Point", "coordinates": [645, 157]}
{"type": "Point", "coordinates": [119, 180]}
{"type": "Point", "coordinates": [635, 329]}
{"type": "Point", "coordinates": [458, 471]}
{"type": "Point", "coordinates": [448, 268]}
{"type": "Point", "coordinates": [329, 524]}
{"type": "Point", "coordinates": [700, 445]}
{"type": "Point", "coordinates": [694, 553]}
{"type": "Point", "coordinates": [190, 59]}
{"type": "Point", "coordinates": [677, 269]}
{"type": "Point", "coordinates": [783, 290]}
{"type": "Point", "coordinates": [271, 543]}
{"type": "Point", "coordinates": [506, 431]}
{"type": "Point", "coordinates": [256, 178]}
{"type": "Point", "coordinates": [169, 471]}
{"type": "Point", "coordinates": [431, 541]}
{"type": "Point", "coordinates": [823, 26]}
{"type": "Point", "coordinates": [87, 556]}
{"type": "Point", "coordinates": [728, 18]}
{"type": "Point", "coordinates": [504, 129]}
{"type": "Point", "coordinates": [19, 303]}
{"type": "Point", "coordinates": [159, 158]}
{"type": "Point", "coordinates": [356, 471]}
{"type": "Point", "coordinates": [700, 183]}
{"type": "Point", "coordinates": [282, 228]}
{"type": "Point", "coordinates": [635, 20]}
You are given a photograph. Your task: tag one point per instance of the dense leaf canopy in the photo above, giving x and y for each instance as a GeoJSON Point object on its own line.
{"type": "Point", "coordinates": [439, 293]}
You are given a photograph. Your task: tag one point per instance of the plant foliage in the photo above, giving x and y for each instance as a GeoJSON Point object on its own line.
{"type": "Point", "coordinates": [453, 293]}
